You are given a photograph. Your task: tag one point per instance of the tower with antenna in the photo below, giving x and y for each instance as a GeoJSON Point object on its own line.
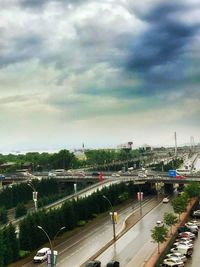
{"type": "Point", "coordinates": [192, 145]}
{"type": "Point", "coordinates": [175, 139]}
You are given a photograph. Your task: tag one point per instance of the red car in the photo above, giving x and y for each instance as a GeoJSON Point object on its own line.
{"type": "Point", "coordinates": [180, 176]}
{"type": "Point", "coordinates": [187, 234]}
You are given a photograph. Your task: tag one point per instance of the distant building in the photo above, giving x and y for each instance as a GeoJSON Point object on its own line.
{"type": "Point", "coordinates": [126, 146]}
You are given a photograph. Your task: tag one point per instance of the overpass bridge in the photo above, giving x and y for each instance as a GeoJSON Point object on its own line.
{"type": "Point", "coordinates": [151, 178]}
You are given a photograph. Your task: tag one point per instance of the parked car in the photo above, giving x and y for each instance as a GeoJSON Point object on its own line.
{"type": "Point", "coordinates": [178, 262]}
{"type": "Point", "coordinates": [196, 222]}
{"type": "Point", "coordinates": [177, 255]}
{"type": "Point", "coordinates": [196, 213]}
{"type": "Point", "coordinates": [41, 255]}
{"type": "Point", "coordinates": [165, 200]}
{"type": "Point", "coordinates": [113, 264]}
{"type": "Point", "coordinates": [187, 234]}
{"type": "Point", "coordinates": [171, 264]}
{"type": "Point", "coordinates": [184, 250]}
{"type": "Point", "coordinates": [93, 264]}
{"type": "Point", "coordinates": [191, 226]}
{"type": "Point", "coordinates": [184, 243]}
{"type": "Point", "coordinates": [180, 239]}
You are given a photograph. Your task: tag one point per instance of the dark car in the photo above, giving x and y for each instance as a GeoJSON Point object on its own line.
{"type": "Point", "coordinates": [93, 264]}
{"type": "Point", "coordinates": [95, 174]}
{"type": "Point", "coordinates": [113, 264]}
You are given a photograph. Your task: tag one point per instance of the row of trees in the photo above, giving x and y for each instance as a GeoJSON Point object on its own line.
{"type": "Point", "coordinates": [19, 196]}
{"type": "Point", "coordinates": [65, 159]}
{"type": "Point", "coordinates": [9, 245]}
{"type": "Point", "coordinates": [22, 193]}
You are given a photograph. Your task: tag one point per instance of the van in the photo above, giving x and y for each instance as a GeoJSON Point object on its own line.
{"type": "Point", "coordinates": [41, 255]}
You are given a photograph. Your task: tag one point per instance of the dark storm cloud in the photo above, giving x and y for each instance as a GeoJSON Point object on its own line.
{"type": "Point", "coordinates": [22, 49]}
{"type": "Point", "coordinates": [161, 49]}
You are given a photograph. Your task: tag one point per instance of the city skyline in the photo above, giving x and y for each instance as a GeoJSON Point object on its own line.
{"type": "Point", "coordinates": [100, 73]}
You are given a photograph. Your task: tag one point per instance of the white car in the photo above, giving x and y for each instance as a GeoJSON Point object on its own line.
{"type": "Point", "coordinates": [116, 174]}
{"type": "Point", "coordinates": [184, 243]}
{"type": "Point", "coordinates": [173, 262]}
{"type": "Point", "coordinates": [197, 223]}
{"type": "Point", "coordinates": [41, 255]}
{"type": "Point", "coordinates": [183, 249]}
{"type": "Point", "coordinates": [51, 174]}
{"type": "Point", "coordinates": [196, 213]}
{"type": "Point", "coordinates": [177, 255]}
{"type": "Point", "coordinates": [191, 226]}
{"type": "Point", "coordinates": [184, 239]}
{"type": "Point", "coordinates": [159, 223]}
{"type": "Point", "coordinates": [165, 200]}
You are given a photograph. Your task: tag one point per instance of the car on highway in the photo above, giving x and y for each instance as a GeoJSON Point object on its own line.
{"type": "Point", "coordinates": [165, 200]}
{"type": "Point", "coordinates": [142, 175]}
{"type": "Point", "coordinates": [41, 255]}
{"type": "Point", "coordinates": [177, 255]}
{"type": "Point", "coordinates": [115, 174]}
{"type": "Point", "coordinates": [159, 223]}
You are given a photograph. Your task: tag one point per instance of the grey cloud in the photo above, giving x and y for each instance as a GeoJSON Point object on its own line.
{"type": "Point", "coordinates": [160, 52]}
{"type": "Point", "coordinates": [15, 99]}
{"type": "Point", "coordinates": [38, 4]}
{"type": "Point", "coordinates": [23, 48]}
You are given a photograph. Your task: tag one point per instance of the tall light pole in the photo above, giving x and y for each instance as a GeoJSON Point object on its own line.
{"type": "Point", "coordinates": [34, 195]}
{"type": "Point", "coordinates": [112, 216]}
{"type": "Point", "coordinates": [51, 246]}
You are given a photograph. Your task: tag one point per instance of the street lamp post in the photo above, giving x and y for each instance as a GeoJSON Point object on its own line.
{"type": "Point", "coordinates": [51, 246]}
{"type": "Point", "coordinates": [113, 218]}
{"type": "Point", "coordinates": [34, 195]}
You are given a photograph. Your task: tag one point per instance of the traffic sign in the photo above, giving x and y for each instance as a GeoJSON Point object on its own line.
{"type": "Point", "coordinates": [172, 173]}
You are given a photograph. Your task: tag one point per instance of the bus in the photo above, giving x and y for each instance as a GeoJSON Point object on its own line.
{"type": "Point", "coordinates": [183, 171]}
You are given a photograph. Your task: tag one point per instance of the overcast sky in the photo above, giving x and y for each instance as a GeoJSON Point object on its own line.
{"type": "Point", "coordinates": [98, 72]}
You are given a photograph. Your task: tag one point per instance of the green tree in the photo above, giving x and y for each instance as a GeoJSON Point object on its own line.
{"type": "Point", "coordinates": [179, 204]}
{"type": "Point", "coordinates": [3, 215]}
{"type": "Point", "coordinates": [159, 234]}
{"type": "Point", "coordinates": [20, 210]}
{"type": "Point", "coordinates": [192, 190]}
{"type": "Point", "coordinates": [170, 219]}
